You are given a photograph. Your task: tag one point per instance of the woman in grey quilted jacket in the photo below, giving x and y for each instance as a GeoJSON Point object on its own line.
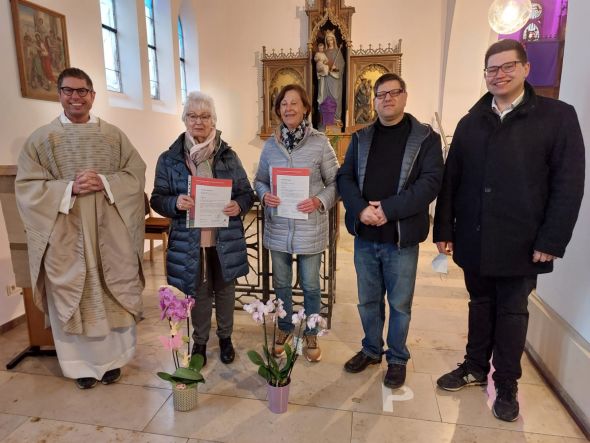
{"type": "Point", "coordinates": [297, 145]}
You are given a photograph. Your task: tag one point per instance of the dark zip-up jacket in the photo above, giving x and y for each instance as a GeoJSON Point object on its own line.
{"type": "Point", "coordinates": [183, 257]}
{"type": "Point", "coordinates": [420, 180]}
{"type": "Point", "coordinates": [512, 186]}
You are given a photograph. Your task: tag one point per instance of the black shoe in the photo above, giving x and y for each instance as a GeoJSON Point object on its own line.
{"type": "Point", "coordinates": [202, 350]}
{"type": "Point", "coordinates": [111, 376]}
{"type": "Point", "coordinates": [226, 350]}
{"type": "Point", "coordinates": [86, 382]}
{"type": "Point", "coordinates": [359, 362]}
{"type": "Point", "coordinates": [461, 377]}
{"type": "Point", "coordinates": [506, 405]}
{"type": "Point", "coordinates": [395, 376]}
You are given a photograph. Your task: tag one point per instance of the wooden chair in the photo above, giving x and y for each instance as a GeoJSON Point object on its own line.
{"type": "Point", "coordinates": [156, 228]}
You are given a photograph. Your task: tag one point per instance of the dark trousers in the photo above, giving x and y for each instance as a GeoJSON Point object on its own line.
{"type": "Point", "coordinates": [212, 287]}
{"type": "Point", "coordinates": [498, 321]}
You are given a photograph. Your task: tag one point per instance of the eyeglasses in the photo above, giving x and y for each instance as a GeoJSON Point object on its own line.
{"type": "Point", "coordinates": [82, 92]}
{"type": "Point", "coordinates": [492, 71]}
{"type": "Point", "coordinates": [193, 118]}
{"type": "Point", "coordinates": [392, 93]}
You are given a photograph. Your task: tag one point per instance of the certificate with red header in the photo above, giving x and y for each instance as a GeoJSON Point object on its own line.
{"type": "Point", "coordinates": [210, 195]}
{"type": "Point", "coordinates": [291, 185]}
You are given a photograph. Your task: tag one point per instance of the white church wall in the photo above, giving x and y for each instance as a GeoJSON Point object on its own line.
{"type": "Point", "coordinates": [559, 331]}
{"type": "Point", "coordinates": [149, 130]}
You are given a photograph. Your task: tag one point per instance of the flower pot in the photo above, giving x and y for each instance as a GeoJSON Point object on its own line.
{"type": "Point", "coordinates": [184, 398]}
{"type": "Point", "coordinates": [278, 398]}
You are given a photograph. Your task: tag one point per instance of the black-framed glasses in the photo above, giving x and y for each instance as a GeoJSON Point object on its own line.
{"type": "Point", "coordinates": [82, 92]}
{"type": "Point", "coordinates": [492, 71]}
{"type": "Point", "coordinates": [392, 93]}
{"type": "Point", "coordinates": [194, 118]}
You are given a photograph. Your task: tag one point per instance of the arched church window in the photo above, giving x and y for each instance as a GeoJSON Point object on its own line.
{"type": "Point", "coordinates": [110, 45]}
{"type": "Point", "coordinates": [152, 50]}
{"type": "Point", "coordinates": [181, 61]}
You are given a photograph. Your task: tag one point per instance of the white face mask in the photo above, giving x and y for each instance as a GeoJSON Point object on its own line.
{"type": "Point", "coordinates": [440, 264]}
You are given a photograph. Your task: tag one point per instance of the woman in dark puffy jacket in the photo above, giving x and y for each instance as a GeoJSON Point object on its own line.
{"type": "Point", "coordinates": [204, 262]}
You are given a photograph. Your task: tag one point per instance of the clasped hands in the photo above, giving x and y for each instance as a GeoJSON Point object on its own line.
{"type": "Point", "coordinates": [373, 214]}
{"type": "Point", "coordinates": [185, 202]}
{"type": "Point", "coordinates": [306, 206]}
{"type": "Point", "coordinates": [87, 181]}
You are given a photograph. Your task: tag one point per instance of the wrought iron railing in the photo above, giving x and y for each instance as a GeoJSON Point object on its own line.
{"type": "Point", "coordinates": [257, 284]}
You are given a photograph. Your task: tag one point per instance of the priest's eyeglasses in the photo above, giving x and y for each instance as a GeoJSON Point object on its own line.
{"type": "Point", "coordinates": [392, 93]}
{"type": "Point", "coordinates": [194, 118]}
{"type": "Point", "coordinates": [82, 92]}
{"type": "Point", "coordinates": [492, 71]}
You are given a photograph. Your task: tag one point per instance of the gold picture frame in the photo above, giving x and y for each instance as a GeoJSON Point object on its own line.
{"type": "Point", "coordinates": [279, 70]}
{"type": "Point", "coordinates": [41, 48]}
{"type": "Point", "coordinates": [366, 66]}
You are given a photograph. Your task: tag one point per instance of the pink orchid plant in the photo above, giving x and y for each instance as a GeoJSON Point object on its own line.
{"type": "Point", "coordinates": [275, 371]}
{"type": "Point", "coordinates": [187, 369]}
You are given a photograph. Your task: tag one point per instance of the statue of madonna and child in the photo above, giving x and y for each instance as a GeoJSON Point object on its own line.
{"type": "Point", "coordinates": [330, 74]}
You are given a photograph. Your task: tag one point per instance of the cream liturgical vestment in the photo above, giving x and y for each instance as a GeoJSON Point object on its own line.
{"type": "Point", "coordinates": [85, 260]}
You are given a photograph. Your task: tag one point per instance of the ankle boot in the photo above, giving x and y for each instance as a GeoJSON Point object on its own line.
{"type": "Point", "coordinates": [226, 350]}
{"type": "Point", "coordinates": [201, 350]}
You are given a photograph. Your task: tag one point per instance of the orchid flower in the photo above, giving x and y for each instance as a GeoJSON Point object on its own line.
{"type": "Point", "coordinates": [280, 310]}
{"type": "Point", "coordinates": [312, 321]}
{"type": "Point", "coordinates": [177, 311]}
{"type": "Point", "coordinates": [258, 311]}
{"type": "Point", "coordinates": [260, 307]}
{"type": "Point", "coordinates": [258, 317]}
{"type": "Point", "coordinates": [171, 343]}
{"type": "Point", "coordinates": [277, 370]}
{"type": "Point", "coordinates": [166, 298]}
{"type": "Point", "coordinates": [298, 317]}
{"type": "Point", "coordinates": [269, 307]}
{"type": "Point", "coordinates": [316, 320]}
{"type": "Point", "coordinates": [253, 307]}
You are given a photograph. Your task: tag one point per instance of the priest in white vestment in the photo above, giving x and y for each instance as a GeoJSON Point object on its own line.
{"type": "Point", "coordinates": [80, 193]}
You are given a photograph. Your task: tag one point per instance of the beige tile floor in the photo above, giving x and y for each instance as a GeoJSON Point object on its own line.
{"type": "Point", "coordinates": [326, 403]}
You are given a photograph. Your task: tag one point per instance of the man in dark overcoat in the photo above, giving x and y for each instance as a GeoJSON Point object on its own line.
{"type": "Point", "coordinates": [510, 198]}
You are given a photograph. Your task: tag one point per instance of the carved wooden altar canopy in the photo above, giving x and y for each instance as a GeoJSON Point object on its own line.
{"type": "Point", "coordinates": [362, 67]}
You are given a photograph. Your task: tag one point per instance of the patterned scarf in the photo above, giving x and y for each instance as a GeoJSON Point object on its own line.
{"type": "Point", "coordinates": [197, 153]}
{"type": "Point", "coordinates": [292, 138]}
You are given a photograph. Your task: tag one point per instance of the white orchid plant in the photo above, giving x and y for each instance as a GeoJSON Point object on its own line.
{"type": "Point", "coordinates": [187, 369]}
{"type": "Point", "coordinates": [277, 372]}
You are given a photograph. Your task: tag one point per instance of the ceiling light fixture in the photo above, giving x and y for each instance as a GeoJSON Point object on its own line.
{"type": "Point", "coordinates": [508, 16]}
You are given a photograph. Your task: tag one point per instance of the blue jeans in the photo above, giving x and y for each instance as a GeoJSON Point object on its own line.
{"type": "Point", "coordinates": [308, 267]}
{"type": "Point", "coordinates": [381, 268]}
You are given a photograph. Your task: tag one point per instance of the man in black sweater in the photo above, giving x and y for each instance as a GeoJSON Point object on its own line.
{"type": "Point", "coordinates": [392, 171]}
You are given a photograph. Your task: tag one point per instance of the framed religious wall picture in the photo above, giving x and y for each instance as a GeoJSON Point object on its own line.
{"type": "Point", "coordinates": [366, 66]}
{"type": "Point", "coordinates": [41, 48]}
{"type": "Point", "coordinates": [278, 70]}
